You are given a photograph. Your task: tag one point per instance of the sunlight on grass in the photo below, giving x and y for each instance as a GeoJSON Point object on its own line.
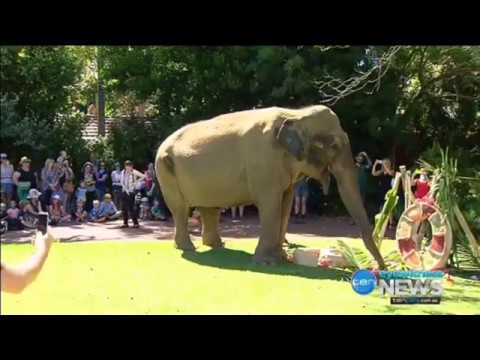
{"type": "Point", "coordinates": [151, 277]}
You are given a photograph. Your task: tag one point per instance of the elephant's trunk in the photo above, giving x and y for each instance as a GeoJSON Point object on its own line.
{"type": "Point", "coordinates": [346, 174]}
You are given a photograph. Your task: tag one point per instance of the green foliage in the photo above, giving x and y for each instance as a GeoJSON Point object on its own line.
{"type": "Point", "coordinates": [428, 95]}
{"type": "Point", "coordinates": [439, 101]}
{"type": "Point", "coordinates": [21, 131]}
{"type": "Point", "coordinates": [186, 84]}
{"type": "Point", "coordinates": [357, 257]}
{"type": "Point", "coordinates": [360, 258]}
{"type": "Point", "coordinates": [41, 77]}
{"type": "Point", "coordinates": [38, 117]}
{"type": "Point", "coordinates": [134, 139]}
{"type": "Point", "coordinates": [391, 201]}
{"type": "Point", "coordinates": [103, 150]}
{"type": "Point", "coordinates": [452, 190]}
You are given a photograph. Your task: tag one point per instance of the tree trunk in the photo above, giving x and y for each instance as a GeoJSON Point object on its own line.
{"type": "Point", "coordinates": [100, 97]}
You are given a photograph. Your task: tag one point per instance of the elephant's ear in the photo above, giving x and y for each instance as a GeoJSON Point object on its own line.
{"type": "Point", "coordinates": [290, 139]}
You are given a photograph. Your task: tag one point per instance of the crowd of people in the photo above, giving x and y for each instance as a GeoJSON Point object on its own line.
{"type": "Point", "coordinates": [95, 194]}
{"type": "Point", "coordinates": [374, 180]}
{"type": "Point", "coordinates": [99, 195]}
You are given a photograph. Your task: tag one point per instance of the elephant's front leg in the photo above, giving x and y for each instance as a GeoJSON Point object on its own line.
{"type": "Point", "coordinates": [269, 250]}
{"type": "Point", "coordinates": [286, 210]}
{"type": "Point", "coordinates": [210, 219]}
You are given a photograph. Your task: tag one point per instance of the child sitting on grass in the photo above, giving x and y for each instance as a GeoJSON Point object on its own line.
{"type": "Point", "coordinates": [108, 210]}
{"type": "Point", "coordinates": [13, 217]}
{"type": "Point", "coordinates": [197, 218]}
{"type": "Point", "coordinates": [57, 212]}
{"type": "Point", "coordinates": [145, 209]}
{"type": "Point", "coordinates": [157, 211]}
{"type": "Point", "coordinates": [94, 215]}
{"type": "Point", "coordinates": [80, 213]}
{"type": "Point", "coordinates": [58, 191]}
{"type": "Point", "coordinates": [31, 208]}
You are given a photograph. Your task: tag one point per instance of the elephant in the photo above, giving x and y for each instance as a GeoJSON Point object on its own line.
{"type": "Point", "coordinates": [255, 157]}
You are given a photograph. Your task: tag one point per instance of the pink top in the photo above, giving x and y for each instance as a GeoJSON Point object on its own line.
{"type": "Point", "coordinates": [13, 213]}
{"type": "Point", "coordinates": [148, 180]}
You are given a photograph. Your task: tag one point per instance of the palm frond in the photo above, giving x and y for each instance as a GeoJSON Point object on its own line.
{"type": "Point", "coordinates": [358, 257]}
{"type": "Point", "coordinates": [445, 189]}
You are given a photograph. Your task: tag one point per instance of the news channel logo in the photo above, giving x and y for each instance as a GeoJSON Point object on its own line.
{"type": "Point", "coordinates": [403, 287]}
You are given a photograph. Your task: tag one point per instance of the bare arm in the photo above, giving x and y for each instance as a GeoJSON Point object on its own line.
{"type": "Point", "coordinates": [16, 279]}
{"type": "Point", "coordinates": [138, 175]}
{"type": "Point", "coordinates": [16, 176]}
{"type": "Point", "coordinates": [391, 171]}
{"type": "Point", "coordinates": [374, 171]}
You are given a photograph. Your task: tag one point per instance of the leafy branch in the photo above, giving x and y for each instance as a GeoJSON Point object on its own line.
{"type": "Point", "coordinates": [333, 89]}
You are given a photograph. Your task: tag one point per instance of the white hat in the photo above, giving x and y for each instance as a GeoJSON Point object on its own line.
{"type": "Point", "coordinates": [34, 194]}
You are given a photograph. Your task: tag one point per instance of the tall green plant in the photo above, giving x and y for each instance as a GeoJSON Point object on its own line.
{"type": "Point", "coordinates": [446, 193]}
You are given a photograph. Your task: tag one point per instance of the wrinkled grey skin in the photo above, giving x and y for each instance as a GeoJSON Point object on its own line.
{"type": "Point", "coordinates": [256, 157]}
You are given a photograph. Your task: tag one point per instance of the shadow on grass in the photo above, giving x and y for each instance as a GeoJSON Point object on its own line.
{"type": "Point", "coordinates": [466, 275]}
{"type": "Point", "coordinates": [295, 246]}
{"type": "Point", "coordinates": [240, 260]}
{"type": "Point", "coordinates": [76, 238]}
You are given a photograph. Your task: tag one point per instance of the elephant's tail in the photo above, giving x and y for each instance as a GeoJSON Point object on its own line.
{"type": "Point", "coordinates": [165, 161]}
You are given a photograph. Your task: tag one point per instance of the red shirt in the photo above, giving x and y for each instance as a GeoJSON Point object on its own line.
{"type": "Point", "coordinates": [148, 180]}
{"type": "Point", "coordinates": [422, 189]}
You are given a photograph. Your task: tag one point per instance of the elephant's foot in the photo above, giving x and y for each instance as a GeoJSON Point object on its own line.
{"type": "Point", "coordinates": [270, 257]}
{"type": "Point", "coordinates": [213, 241]}
{"type": "Point", "coordinates": [184, 244]}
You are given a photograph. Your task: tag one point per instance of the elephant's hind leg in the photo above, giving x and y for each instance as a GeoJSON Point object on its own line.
{"type": "Point", "coordinates": [180, 211]}
{"type": "Point", "coordinates": [182, 237]}
{"type": "Point", "coordinates": [210, 219]}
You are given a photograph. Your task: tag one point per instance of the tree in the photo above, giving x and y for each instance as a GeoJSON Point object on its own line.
{"type": "Point", "coordinates": [37, 91]}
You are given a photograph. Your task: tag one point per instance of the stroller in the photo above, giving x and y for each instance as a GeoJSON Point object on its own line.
{"type": "Point", "coordinates": [3, 225]}
{"type": "Point", "coordinates": [138, 202]}
{"type": "Point", "coordinates": [29, 220]}
{"type": "Point", "coordinates": [3, 219]}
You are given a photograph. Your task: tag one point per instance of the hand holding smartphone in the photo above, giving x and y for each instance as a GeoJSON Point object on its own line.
{"type": "Point", "coordinates": [42, 224]}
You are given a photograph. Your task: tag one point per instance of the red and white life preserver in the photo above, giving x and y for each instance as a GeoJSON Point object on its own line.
{"type": "Point", "coordinates": [436, 255]}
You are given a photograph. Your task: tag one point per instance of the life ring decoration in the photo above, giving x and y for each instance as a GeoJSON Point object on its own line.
{"type": "Point", "coordinates": [435, 255]}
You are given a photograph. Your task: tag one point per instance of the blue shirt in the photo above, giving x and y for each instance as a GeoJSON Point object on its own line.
{"type": "Point", "coordinates": [95, 213]}
{"type": "Point", "coordinates": [107, 208]}
{"type": "Point", "coordinates": [102, 177]}
{"type": "Point", "coordinates": [82, 194]}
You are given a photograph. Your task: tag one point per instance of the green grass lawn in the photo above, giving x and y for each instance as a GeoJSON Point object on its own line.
{"type": "Point", "coordinates": [154, 278]}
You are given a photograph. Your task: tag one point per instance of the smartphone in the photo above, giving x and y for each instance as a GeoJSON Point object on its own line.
{"type": "Point", "coordinates": [42, 224]}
